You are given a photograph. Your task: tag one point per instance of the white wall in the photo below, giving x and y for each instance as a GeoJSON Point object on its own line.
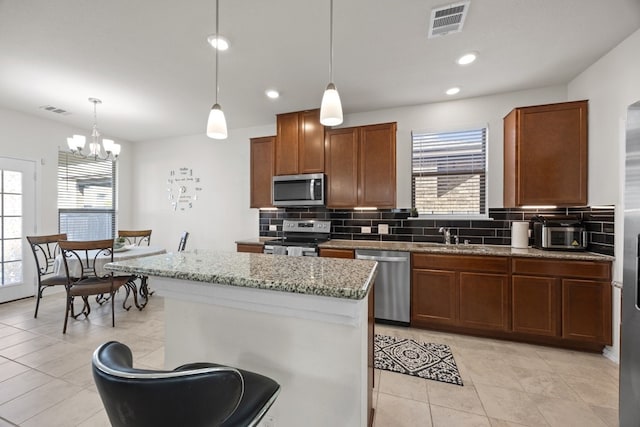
{"type": "Point", "coordinates": [32, 138]}
{"type": "Point", "coordinates": [611, 84]}
{"type": "Point", "coordinates": [221, 214]}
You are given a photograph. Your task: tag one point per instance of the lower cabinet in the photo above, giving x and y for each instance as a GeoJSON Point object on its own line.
{"type": "Point", "coordinates": [337, 253]}
{"type": "Point", "coordinates": [256, 249]}
{"type": "Point", "coordinates": [565, 303]}
{"type": "Point", "coordinates": [460, 291]}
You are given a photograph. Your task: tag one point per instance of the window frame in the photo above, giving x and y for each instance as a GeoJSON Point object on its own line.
{"type": "Point", "coordinates": [453, 216]}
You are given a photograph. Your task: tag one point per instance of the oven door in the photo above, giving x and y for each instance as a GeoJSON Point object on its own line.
{"type": "Point", "coordinates": [301, 251]}
{"type": "Point", "coordinates": [569, 238]}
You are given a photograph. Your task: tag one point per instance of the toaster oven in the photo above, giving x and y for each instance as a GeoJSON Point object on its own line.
{"type": "Point", "coordinates": [559, 232]}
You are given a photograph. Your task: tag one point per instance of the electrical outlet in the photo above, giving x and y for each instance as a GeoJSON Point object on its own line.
{"type": "Point", "coordinates": [365, 230]}
{"type": "Point", "coordinates": [383, 228]}
{"type": "Point", "coordinates": [273, 228]}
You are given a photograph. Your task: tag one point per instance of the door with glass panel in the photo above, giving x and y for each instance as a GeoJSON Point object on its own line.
{"type": "Point", "coordinates": [17, 219]}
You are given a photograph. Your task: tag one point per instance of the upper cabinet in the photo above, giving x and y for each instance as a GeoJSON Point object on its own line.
{"type": "Point", "coordinates": [545, 155]}
{"type": "Point", "coordinates": [299, 144]}
{"type": "Point", "coordinates": [261, 171]}
{"type": "Point", "coordinates": [360, 164]}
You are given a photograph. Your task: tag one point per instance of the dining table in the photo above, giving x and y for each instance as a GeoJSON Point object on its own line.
{"type": "Point", "coordinates": [121, 254]}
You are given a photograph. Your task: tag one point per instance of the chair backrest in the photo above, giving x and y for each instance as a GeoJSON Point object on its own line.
{"type": "Point", "coordinates": [146, 398]}
{"type": "Point", "coordinates": [183, 241]}
{"type": "Point", "coordinates": [45, 249]}
{"type": "Point", "coordinates": [136, 237]}
{"type": "Point", "coordinates": [83, 259]}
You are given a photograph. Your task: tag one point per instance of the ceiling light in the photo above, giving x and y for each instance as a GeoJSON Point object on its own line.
{"type": "Point", "coordinates": [273, 94]}
{"type": "Point", "coordinates": [217, 124]}
{"type": "Point", "coordinates": [331, 108]}
{"type": "Point", "coordinates": [220, 41]}
{"type": "Point", "coordinates": [452, 91]}
{"type": "Point", "coordinates": [77, 142]}
{"type": "Point", "coordinates": [467, 58]}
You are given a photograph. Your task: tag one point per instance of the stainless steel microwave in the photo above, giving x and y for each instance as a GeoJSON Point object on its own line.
{"type": "Point", "coordinates": [298, 190]}
{"type": "Point", "coordinates": [559, 232]}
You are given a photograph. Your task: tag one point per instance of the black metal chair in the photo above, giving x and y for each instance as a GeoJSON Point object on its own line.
{"type": "Point", "coordinates": [194, 395]}
{"type": "Point", "coordinates": [85, 278]}
{"type": "Point", "coordinates": [183, 241]}
{"type": "Point", "coordinates": [45, 249]}
{"type": "Point", "coordinates": [136, 237]}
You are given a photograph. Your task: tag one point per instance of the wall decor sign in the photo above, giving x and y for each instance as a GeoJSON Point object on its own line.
{"type": "Point", "coordinates": [183, 188]}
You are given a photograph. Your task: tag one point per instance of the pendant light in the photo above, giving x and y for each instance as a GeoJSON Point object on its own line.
{"type": "Point", "coordinates": [217, 124]}
{"type": "Point", "coordinates": [331, 108]}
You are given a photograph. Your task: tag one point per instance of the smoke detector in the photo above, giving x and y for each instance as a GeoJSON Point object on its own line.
{"type": "Point", "coordinates": [448, 19]}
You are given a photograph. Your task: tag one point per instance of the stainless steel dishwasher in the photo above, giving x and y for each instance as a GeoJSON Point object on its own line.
{"type": "Point", "coordinates": [392, 287]}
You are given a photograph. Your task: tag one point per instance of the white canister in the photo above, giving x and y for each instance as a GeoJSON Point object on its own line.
{"type": "Point", "coordinates": [520, 234]}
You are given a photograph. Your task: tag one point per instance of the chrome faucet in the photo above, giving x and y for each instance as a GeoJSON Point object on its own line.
{"type": "Point", "coordinates": [446, 234]}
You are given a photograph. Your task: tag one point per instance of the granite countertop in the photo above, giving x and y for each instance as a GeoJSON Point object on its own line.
{"type": "Point", "coordinates": [331, 277]}
{"type": "Point", "coordinates": [439, 248]}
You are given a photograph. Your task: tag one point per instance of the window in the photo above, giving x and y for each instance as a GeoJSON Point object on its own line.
{"type": "Point", "coordinates": [86, 197]}
{"type": "Point", "coordinates": [10, 227]}
{"type": "Point", "coordinates": [448, 172]}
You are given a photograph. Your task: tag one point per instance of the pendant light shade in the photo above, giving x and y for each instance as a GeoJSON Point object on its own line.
{"type": "Point", "coordinates": [216, 125]}
{"type": "Point", "coordinates": [331, 107]}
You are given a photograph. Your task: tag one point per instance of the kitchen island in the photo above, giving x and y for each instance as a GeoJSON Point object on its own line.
{"type": "Point", "coordinates": [305, 322]}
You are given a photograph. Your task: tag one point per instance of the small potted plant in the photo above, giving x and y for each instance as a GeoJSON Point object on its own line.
{"type": "Point", "coordinates": [413, 212]}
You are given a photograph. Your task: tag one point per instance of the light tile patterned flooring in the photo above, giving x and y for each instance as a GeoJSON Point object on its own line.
{"type": "Point", "coordinates": [45, 376]}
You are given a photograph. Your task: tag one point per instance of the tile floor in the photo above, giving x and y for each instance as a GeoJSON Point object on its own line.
{"type": "Point", "coordinates": [45, 377]}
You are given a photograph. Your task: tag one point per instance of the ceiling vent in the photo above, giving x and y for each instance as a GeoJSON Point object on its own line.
{"type": "Point", "coordinates": [55, 110]}
{"type": "Point", "coordinates": [448, 19]}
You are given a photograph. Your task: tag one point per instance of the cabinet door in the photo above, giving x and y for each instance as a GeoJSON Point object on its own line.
{"type": "Point", "coordinates": [286, 144]}
{"type": "Point", "coordinates": [337, 253]}
{"type": "Point", "coordinates": [535, 305]}
{"type": "Point", "coordinates": [311, 145]}
{"type": "Point", "coordinates": [548, 144]}
{"type": "Point", "coordinates": [261, 171]}
{"type": "Point", "coordinates": [341, 164]}
{"type": "Point", "coordinates": [434, 297]}
{"type": "Point", "coordinates": [256, 249]}
{"type": "Point", "coordinates": [586, 310]}
{"type": "Point", "coordinates": [485, 301]}
{"type": "Point", "coordinates": [377, 166]}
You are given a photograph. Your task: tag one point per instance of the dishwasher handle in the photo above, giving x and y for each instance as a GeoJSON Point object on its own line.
{"type": "Point", "coordinates": [383, 258]}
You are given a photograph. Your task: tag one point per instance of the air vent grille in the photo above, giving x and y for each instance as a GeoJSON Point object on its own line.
{"type": "Point", "coordinates": [55, 110]}
{"type": "Point", "coordinates": [448, 19]}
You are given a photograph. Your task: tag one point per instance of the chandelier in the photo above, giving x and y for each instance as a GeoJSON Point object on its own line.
{"type": "Point", "coordinates": [109, 150]}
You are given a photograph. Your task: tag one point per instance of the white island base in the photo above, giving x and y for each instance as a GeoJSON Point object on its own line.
{"type": "Point", "coordinates": [315, 347]}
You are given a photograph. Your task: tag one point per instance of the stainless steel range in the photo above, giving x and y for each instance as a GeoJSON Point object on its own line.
{"type": "Point", "coordinates": [300, 238]}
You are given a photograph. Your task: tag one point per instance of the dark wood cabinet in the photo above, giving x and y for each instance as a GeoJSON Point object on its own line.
{"type": "Point", "coordinates": [536, 305]}
{"type": "Point", "coordinates": [299, 144]}
{"type": "Point", "coordinates": [545, 155]}
{"type": "Point", "coordinates": [256, 249]}
{"type": "Point", "coordinates": [337, 253]}
{"type": "Point", "coordinates": [566, 299]}
{"type": "Point", "coordinates": [360, 164]}
{"type": "Point", "coordinates": [464, 291]}
{"type": "Point", "coordinates": [261, 171]}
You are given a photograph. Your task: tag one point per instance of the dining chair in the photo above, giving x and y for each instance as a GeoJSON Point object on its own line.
{"type": "Point", "coordinates": [183, 241]}
{"type": "Point", "coordinates": [45, 249]}
{"type": "Point", "coordinates": [84, 277]}
{"type": "Point", "coordinates": [195, 395]}
{"type": "Point", "coordinates": [136, 237]}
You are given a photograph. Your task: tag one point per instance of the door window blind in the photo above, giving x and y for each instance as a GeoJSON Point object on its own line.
{"type": "Point", "coordinates": [86, 197]}
{"type": "Point", "coordinates": [449, 172]}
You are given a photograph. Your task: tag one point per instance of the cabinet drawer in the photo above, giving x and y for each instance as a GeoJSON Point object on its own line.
{"type": "Point", "coordinates": [587, 269]}
{"type": "Point", "coordinates": [461, 263]}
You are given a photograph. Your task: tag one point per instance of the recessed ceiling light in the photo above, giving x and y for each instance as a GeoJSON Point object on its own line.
{"type": "Point", "coordinates": [273, 94]}
{"type": "Point", "coordinates": [221, 41]}
{"type": "Point", "coordinates": [467, 58]}
{"type": "Point", "coordinates": [452, 91]}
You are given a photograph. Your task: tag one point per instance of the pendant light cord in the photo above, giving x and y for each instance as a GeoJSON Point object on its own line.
{"type": "Point", "coordinates": [217, 45]}
{"type": "Point", "coordinates": [331, 41]}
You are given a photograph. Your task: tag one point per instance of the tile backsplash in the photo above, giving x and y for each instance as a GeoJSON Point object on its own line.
{"type": "Point", "coordinates": [347, 224]}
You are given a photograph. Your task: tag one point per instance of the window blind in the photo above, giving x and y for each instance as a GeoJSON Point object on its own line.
{"type": "Point", "coordinates": [449, 172]}
{"type": "Point", "coordinates": [86, 197]}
